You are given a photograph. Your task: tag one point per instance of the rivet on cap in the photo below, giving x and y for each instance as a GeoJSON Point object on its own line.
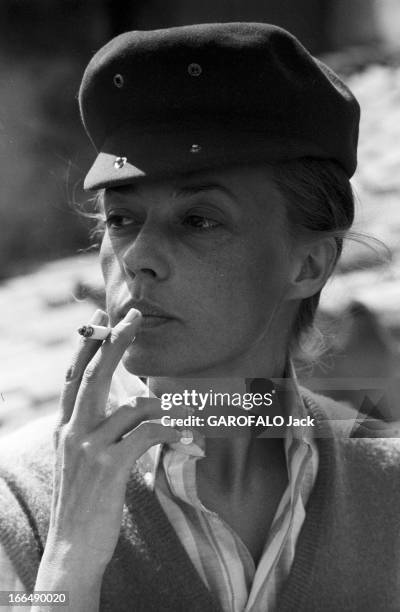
{"type": "Point", "coordinates": [195, 70]}
{"type": "Point", "coordinates": [195, 148]}
{"type": "Point", "coordinates": [118, 80]}
{"type": "Point", "coordinates": [120, 162]}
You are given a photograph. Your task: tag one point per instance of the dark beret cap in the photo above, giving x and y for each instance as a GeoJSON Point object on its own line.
{"type": "Point", "coordinates": [165, 102]}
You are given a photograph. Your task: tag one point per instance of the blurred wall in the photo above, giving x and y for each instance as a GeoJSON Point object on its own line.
{"type": "Point", "coordinates": [388, 16]}
{"type": "Point", "coordinates": [44, 46]}
{"type": "Point", "coordinates": [305, 19]}
{"type": "Point", "coordinates": [352, 23]}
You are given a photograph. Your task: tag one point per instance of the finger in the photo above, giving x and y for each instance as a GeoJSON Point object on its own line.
{"type": "Point", "coordinates": [90, 405]}
{"type": "Point", "coordinates": [129, 416]}
{"type": "Point", "coordinates": [84, 353]}
{"type": "Point", "coordinates": [146, 435]}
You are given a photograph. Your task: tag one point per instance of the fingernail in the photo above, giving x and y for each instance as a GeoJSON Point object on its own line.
{"type": "Point", "coordinates": [131, 315]}
{"type": "Point", "coordinates": [98, 317]}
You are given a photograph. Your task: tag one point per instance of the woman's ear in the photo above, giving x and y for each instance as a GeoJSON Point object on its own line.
{"type": "Point", "coordinates": [313, 263]}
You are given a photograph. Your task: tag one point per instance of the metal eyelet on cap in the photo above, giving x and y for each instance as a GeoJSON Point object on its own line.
{"type": "Point", "coordinates": [195, 148]}
{"type": "Point", "coordinates": [120, 162]}
{"type": "Point", "coordinates": [118, 80]}
{"type": "Point", "coordinates": [195, 70]}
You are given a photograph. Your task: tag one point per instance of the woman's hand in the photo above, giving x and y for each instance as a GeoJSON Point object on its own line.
{"type": "Point", "coordinates": [93, 463]}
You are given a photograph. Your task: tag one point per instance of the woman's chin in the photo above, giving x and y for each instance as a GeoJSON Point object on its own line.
{"type": "Point", "coordinates": [148, 361]}
{"type": "Point", "coordinates": [156, 361]}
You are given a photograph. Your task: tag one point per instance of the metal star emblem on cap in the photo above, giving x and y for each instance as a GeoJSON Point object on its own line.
{"type": "Point", "coordinates": [120, 162]}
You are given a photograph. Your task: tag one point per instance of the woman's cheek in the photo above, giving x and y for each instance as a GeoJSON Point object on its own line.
{"type": "Point", "coordinates": [105, 255]}
{"type": "Point", "coordinates": [112, 276]}
{"type": "Point", "coordinates": [108, 260]}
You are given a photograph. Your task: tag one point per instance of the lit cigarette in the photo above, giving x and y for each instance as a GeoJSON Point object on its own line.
{"type": "Point", "coordinates": [94, 332]}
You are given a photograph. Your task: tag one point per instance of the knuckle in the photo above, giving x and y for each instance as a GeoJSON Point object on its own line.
{"type": "Point", "coordinates": [70, 374]}
{"type": "Point", "coordinates": [73, 373]}
{"type": "Point", "coordinates": [91, 373]}
{"type": "Point", "coordinates": [72, 440]}
{"type": "Point", "coordinates": [86, 450]}
{"type": "Point", "coordinates": [74, 370]}
{"type": "Point", "coordinates": [104, 459]}
{"type": "Point", "coordinates": [97, 459]}
{"type": "Point", "coordinates": [68, 439]}
{"type": "Point", "coordinates": [85, 446]}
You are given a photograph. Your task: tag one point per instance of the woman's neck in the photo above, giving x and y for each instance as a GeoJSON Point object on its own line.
{"type": "Point", "coordinates": [228, 377]}
{"type": "Point", "coordinates": [232, 454]}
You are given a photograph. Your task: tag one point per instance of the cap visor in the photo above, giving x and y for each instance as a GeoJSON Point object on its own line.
{"type": "Point", "coordinates": [127, 157]}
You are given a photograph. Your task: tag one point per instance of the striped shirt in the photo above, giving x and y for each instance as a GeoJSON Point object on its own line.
{"type": "Point", "coordinates": [217, 552]}
{"type": "Point", "coordinates": [219, 555]}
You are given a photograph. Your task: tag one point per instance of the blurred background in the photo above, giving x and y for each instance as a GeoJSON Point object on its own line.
{"type": "Point", "coordinates": [49, 279]}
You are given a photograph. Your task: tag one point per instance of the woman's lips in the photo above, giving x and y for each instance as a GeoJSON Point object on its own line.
{"type": "Point", "coordinates": [152, 314]}
{"type": "Point", "coordinates": [150, 321]}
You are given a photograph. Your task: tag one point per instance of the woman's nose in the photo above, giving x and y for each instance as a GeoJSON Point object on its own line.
{"type": "Point", "coordinates": [147, 255]}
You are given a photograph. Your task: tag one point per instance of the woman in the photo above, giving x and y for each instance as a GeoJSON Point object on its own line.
{"type": "Point", "coordinates": [224, 158]}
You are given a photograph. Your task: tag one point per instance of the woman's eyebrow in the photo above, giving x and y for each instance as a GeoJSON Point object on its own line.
{"type": "Point", "coordinates": [195, 189]}
{"type": "Point", "coordinates": [178, 191]}
{"type": "Point", "coordinates": [119, 194]}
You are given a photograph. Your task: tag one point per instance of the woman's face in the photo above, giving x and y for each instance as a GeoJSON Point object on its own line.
{"type": "Point", "coordinates": [206, 259]}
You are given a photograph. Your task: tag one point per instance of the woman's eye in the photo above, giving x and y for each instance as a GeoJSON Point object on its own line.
{"type": "Point", "coordinates": [202, 223]}
{"type": "Point", "coordinates": [118, 221]}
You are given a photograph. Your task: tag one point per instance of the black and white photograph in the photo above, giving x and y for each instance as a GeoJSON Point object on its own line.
{"type": "Point", "coordinates": [200, 306]}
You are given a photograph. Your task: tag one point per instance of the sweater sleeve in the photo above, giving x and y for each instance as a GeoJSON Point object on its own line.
{"type": "Point", "coordinates": [17, 535]}
{"type": "Point", "coordinates": [9, 579]}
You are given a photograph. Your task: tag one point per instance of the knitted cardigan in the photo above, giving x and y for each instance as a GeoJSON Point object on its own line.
{"type": "Point", "coordinates": [347, 555]}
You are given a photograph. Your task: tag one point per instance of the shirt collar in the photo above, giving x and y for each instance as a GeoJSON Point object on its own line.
{"type": "Point", "coordinates": [295, 405]}
{"type": "Point", "coordinates": [125, 385]}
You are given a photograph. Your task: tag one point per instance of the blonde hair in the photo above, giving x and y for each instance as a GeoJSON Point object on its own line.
{"type": "Point", "coordinates": [319, 200]}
